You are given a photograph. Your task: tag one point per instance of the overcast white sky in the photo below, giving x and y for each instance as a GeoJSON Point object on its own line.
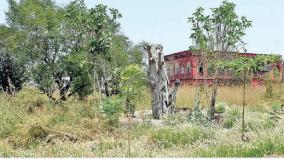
{"type": "Point", "coordinates": [165, 21]}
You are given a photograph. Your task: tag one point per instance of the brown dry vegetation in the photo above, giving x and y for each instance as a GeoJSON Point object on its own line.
{"type": "Point", "coordinates": [31, 125]}
{"type": "Point", "coordinates": [231, 95]}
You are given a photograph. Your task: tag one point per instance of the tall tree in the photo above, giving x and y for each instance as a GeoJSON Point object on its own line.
{"type": "Point", "coordinates": [41, 21]}
{"type": "Point", "coordinates": [217, 35]}
{"type": "Point", "coordinates": [12, 63]}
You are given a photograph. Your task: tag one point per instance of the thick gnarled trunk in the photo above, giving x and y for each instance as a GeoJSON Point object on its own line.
{"type": "Point", "coordinates": [162, 101]}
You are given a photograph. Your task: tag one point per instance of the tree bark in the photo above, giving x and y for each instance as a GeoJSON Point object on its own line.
{"type": "Point", "coordinates": [159, 83]}
{"type": "Point", "coordinates": [244, 104]}
{"type": "Point", "coordinates": [214, 96]}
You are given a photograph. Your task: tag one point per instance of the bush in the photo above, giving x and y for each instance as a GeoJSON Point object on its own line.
{"type": "Point", "coordinates": [111, 110]}
{"type": "Point", "coordinates": [197, 117]}
{"type": "Point", "coordinates": [220, 109]}
{"type": "Point", "coordinates": [229, 122]}
{"type": "Point", "coordinates": [276, 107]}
{"type": "Point", "coordinates": [231, 118]}
{"type": "Point", "coordinates": [173, 119]}
{"type": "Point", "coordinates": [37, 132]}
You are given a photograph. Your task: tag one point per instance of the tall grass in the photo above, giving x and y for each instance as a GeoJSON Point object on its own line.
{"type": "Point", "coordinates": [231, 95]}
{"type": "Point", "coordinates": [179, 138]}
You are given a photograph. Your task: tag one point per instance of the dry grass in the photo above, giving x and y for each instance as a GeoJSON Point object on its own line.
{"type": "Point", "coordinates": [231, 95]}
{"type": "Point", "coordinates": [29, 108]}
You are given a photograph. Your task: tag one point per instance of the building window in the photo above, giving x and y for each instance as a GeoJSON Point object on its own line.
{"type": "Point", "coordinates": [200, 69]}
{"type": "Point", "coordinates": [188, 68]}
{"type": "Point", "coordinates": [172, 69]}
{"type": "Point", "coordinates": [169, 71]}
{"type": "Point", "coordinates": [176, 69]}
{"type": "Point", "coordinates": [182, 70]}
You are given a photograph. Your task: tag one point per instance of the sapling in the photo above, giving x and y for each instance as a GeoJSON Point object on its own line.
{"type": "Point", "coordinates": [244, 66]}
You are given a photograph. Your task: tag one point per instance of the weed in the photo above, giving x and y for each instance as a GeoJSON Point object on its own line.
{"type": "Point", "coordinates": [166, 138]}
{"type": "Point", "coordinates": [173, 119]}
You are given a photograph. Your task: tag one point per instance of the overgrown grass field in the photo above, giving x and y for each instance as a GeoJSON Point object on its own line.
{"type": "Point", "coordinates": [31, 125]}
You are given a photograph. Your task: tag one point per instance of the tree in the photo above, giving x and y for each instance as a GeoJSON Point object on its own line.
{"type": "Point", "coordinates": [133, 81]}
{"type": "Point", "coordinates": [65, 45]}
{"type": "Point", "coordinates": [245, 66]}
{"type": "Point", "coordinates": [12, 64]}
{"type": "Point", "coordinates": [41, 22]}
{"type": "Point", "coordinates": [162, 100]}
{"type": "Point", "coordinates": [215, 36]}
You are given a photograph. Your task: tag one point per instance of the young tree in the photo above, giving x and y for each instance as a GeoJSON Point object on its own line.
{"type": "Point", "coordinates": [215, 36]}
{"type": "Point", "coordinates": [245, 67]}
{"type": "Point", "coordinates": [133, 81]}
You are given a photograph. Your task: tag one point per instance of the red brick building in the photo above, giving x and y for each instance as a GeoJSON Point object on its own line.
{"type": "Point", "coordinates": [185, 66]}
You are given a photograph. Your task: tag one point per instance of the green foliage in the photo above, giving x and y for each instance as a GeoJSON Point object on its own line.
{"type": "Point", "coordinates": [231, 117]}
{"type": "Point", "coordinates": [60, 118]}
{"type": "Point", "coordinates": [220, 108]}
{"type": "Point", "coordinates": [214, 36]}
{"type": "Point", "coordinates": [42, 75]}
{"type": "Point", "coordinates": [111, 108]}
{"type": "Point", "coordinates": [222, 30]}
{"type": "Point", "coordinates": [197, 117]}
{"type": "Point", "coordinates": [132, 79]}
{"type": "Point", "coordinates": [274, 116]}
{"type": "Point", "coordinates": [37, 132]}
{"type": "Point", "coordinates": [63, 46]}
{"type": "Point", "coordinates": [79, 70]}
{"type": "Point", "coordinates": [249, 64]}
{"type": "Point", "coordinates": [11, 65]}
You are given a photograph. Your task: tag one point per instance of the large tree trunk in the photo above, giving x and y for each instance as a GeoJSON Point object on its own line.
{"type": "Point", "coordinates": [162, 100]}
{"type": "Point", "coordinates": [63, 84]}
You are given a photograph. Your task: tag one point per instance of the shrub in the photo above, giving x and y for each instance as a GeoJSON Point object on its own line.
{"type": "Point", "coordinates": [229, 122]}
{"type": "Point", "coordinates": [220, 109]}
{"type": "Point", "coordinates": [197, 117]}
{"type": "Point", "coordinates": [231, 118]}
{"type": "Point", "coordinates": [276, 107]}
{"type": "Point", "coordinates": [111, 110]}
{"type": "Point", "coordinates": [173, 119]}
{"type": "Point", "coordinates": [37, 133]}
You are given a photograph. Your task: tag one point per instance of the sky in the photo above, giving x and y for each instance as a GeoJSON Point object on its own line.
{"type": "Point", "coordinates": [165, 21]}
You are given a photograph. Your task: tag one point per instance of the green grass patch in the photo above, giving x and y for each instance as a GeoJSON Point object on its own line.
{"type": "Point", "coordinates": [168, 137]}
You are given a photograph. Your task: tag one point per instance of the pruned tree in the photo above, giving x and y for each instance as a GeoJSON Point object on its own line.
{"type": "Point", "coordinates": [162, 100]}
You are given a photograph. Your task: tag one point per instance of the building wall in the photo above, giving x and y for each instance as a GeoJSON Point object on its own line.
{"type": "Point", "coordinates": [184, 66]}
